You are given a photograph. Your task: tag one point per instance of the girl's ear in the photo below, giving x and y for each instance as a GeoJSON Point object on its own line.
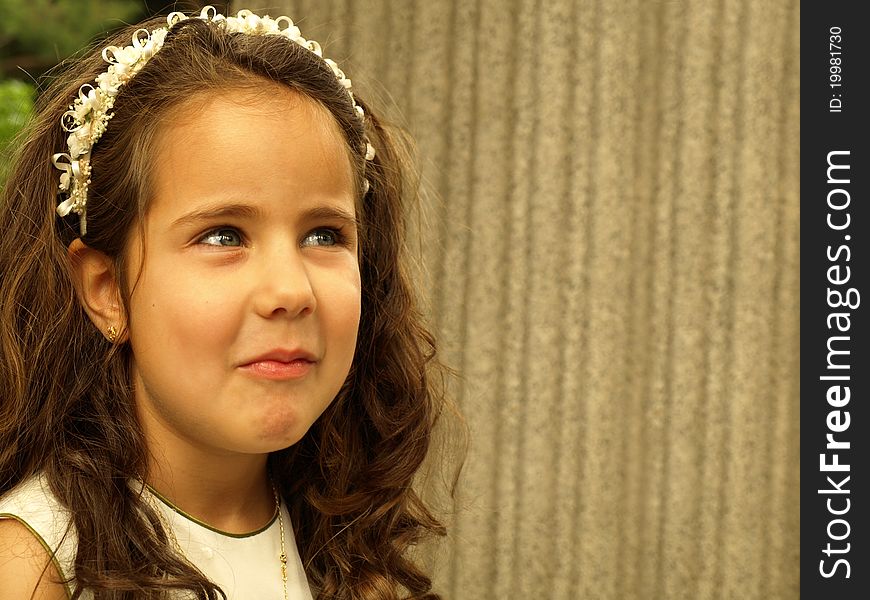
{"type": "Point", "coordinates": [93, 275]}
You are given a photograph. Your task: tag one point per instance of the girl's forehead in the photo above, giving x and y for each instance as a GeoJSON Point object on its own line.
{"type": "Point", "coordinates": [228, 112]}
{"type": "Point", "coordinates": [247, 144]}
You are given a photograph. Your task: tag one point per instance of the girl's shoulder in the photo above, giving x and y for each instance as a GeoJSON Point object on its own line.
{"type": "Point", "coordinates": [37, 511]}
{"type": "Point", "coordinates": [26, 569]}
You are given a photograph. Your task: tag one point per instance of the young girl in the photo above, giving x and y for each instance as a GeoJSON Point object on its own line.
{"type": "Point", "coordinates": [213, 378]}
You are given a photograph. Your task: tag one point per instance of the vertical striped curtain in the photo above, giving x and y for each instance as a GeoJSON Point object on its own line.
{"type": "Point", "coordinates": [611, 258]}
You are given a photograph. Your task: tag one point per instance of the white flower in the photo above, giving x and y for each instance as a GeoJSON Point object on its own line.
{"type": "Point", "coordinates": [152, 44]}
{"type": "Point", "coordinates": [157, 37]}
{"type": "Point", "coordinates": [80, 111]}
{"type": "Point", "coordinates": [127, 56]}
{"type": "Point", "coordinates": [79, 141]}
{"type": "Point", "coordinates": [87, 103]}
{"type": "Point", "coordinates": [252, 23]}
{"type": "Point", "coordinates": [76, 147]}
{"type": "Point", "coordinates": [124, 60]}
{"type": "Point", "coordinates": [64, 181]}
{"type": "Point", "coordinates": [109, 82]}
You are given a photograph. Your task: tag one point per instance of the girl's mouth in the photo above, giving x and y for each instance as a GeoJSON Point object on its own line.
{"type": "Point", "coordinates": [277, 370]}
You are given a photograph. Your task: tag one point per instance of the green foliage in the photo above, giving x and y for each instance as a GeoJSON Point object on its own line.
{"type": "Point", "coordinates": [16, 104]}
{"type": "Point", "coordinates": [51, 30]}
{"type": "Point", "coordinates": [37, 34]}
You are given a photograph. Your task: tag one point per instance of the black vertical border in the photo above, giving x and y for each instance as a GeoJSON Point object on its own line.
{"type": "Point", "coordinates": [824, 131]}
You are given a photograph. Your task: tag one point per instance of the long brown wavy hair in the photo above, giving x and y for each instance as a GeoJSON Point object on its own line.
{"type": "Point", "coordinates": [66, 402]}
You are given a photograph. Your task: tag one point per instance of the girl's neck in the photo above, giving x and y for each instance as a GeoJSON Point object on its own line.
{"type": "Point", "coordinates": [232, 494]}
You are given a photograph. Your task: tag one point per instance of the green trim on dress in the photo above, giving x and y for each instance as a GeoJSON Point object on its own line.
{"type": "Point", "coordinates": [190, 517]}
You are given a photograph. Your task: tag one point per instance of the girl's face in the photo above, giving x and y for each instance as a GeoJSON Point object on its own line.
{"type": "Point", "coordinates": [244, 320]}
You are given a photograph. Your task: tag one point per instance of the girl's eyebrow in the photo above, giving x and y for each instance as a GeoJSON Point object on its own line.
{"type": "Point", "coordinates": [329, 212]}
{"type": "Point", "coordinates": [246, 211]}
{"type": "Point", "coordinates": [217, 211]}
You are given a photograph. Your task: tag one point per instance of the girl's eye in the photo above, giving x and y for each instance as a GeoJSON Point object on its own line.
{"type": "Point", "coordinates": [325, 236]}
{"type": "Point", "coordinates": [223, 236]}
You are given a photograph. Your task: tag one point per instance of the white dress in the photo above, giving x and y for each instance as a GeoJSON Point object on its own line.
{"type": "Point", "coordinates": [244, 566]}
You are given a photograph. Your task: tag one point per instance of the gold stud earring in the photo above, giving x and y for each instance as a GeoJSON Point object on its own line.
{"type": "Point", "coordinates": [112, 333]}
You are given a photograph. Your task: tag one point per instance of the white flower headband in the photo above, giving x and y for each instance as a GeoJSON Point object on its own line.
{"type": "Point", "coordinates": [89, 114]}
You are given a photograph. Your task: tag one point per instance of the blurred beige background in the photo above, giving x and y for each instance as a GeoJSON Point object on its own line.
{"type": "Point", "coordinates": [613, 266]}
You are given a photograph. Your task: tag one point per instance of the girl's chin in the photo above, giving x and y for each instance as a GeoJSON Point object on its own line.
{"type": "Point", "coordinates": [279, 434]}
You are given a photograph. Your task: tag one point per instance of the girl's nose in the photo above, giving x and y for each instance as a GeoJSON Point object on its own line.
{"type": "Point", "coordinates": [284, 286]}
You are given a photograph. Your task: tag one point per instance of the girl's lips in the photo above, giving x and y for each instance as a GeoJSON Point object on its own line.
{"type": "Point", "coordinates": [277, 370]}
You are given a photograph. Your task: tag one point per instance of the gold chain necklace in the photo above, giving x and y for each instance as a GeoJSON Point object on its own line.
{"type": "Point", "coordinates": [152, 498]}
{"type": "Point", "coordinates": [283, 556]}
